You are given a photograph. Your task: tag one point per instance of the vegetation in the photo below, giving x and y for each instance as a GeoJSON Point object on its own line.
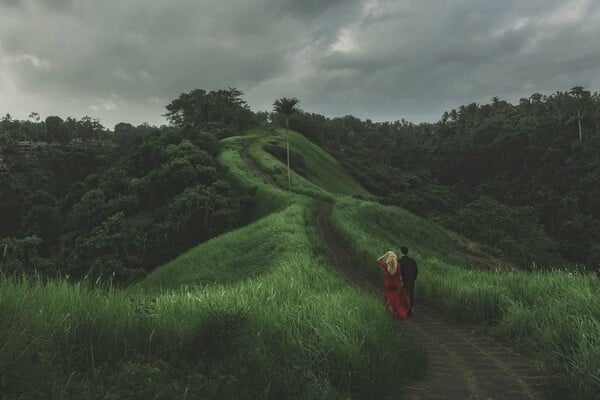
{"type": "Point", "coordinates": [552, 316]}
{"type": "Point", "coordinates": [531, 167]}
{"type": "Point", "coordinates": [312, 167]}
{"type": "Point", "coordinates": [254, 313]}
{"type": "Point", "coordinates": [199, 108]}
{"type": "Point", "coordinates": [122, 213]}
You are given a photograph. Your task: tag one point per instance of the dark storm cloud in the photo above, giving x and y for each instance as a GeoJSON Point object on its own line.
{"type": "Point", "coordinates": [50, 5]}
{"type": "Point", "coordinates": [11, 3]}
{"type": "Point", "coordinates": [379, 59]}
{"type": "Point", "coordinates": [310, 8]}
{"type": "Point", "coordinates": [418, 58]}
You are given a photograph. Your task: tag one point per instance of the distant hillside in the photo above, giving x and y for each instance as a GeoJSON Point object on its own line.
{"type": "Point", "coordinates": [523, 179]}
{"type": "Point", "coordinates": [76, 197]}
{"type": "Point", "coordinates": [313, 163]}
{"type": "Point", "coordinates": [79, 200]}
{"type": "Point", "coordinates": [257, 312]}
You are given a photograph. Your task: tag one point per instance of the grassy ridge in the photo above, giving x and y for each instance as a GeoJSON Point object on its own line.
{"type": "Point", "coordinates": [254, 313]}
{"type": "Point", "coordinates": [322, 174]}
{"type": "Point", "coordinates": [229, 258]}
{"type": "Point", "coordinates": [322, 319]}
{"type": "Point", "coordinates": [267, 198]}
{"type": "Point", "coordinates": [554, 317]}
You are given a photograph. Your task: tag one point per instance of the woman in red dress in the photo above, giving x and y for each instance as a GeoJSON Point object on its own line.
{"type": "Point", "coordinates": [397, 301]}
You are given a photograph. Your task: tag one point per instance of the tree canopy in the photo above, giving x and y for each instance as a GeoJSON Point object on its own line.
{"type": "Point", "coordinates": [73, 205]}
{"type": "Point", "coordinates": [534, 165]}
{"type": "Point", "coordinates": [78, 198]}
{"type": "Point", "coordinates": [199, 107]}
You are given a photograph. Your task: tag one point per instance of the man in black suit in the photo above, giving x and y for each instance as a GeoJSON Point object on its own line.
{"type": "Point", "coordinates": [409, 275]}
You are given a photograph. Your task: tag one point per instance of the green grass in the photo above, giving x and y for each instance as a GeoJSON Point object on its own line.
{"type": "Point", "coordinates": [554, 317]}
{"type": "Point", "coordinates": [254, 313]}
{"type": "Point", "coordinates": [323, 173]}
{"type": "Point", "coordinates": [257, 313]}
{"type": "Point", "coordinates": [229, 258]}
{"type": "Point", "coordinates": [267, 198]}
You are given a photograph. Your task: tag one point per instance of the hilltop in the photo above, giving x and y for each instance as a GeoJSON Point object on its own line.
{"type": "Point", "coordinates": [253, 308]}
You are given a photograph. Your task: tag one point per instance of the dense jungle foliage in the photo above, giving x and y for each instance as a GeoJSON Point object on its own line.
{"type": "Point", "coordinates": [81, 200]}
{"type": "Point", "coordinates": [522, 179]}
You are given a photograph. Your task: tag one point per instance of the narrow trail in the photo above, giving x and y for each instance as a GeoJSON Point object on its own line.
{"type": "Point", "coordinates": [462, 364]}
{"type": "Point", "coordinates": [254, 168]}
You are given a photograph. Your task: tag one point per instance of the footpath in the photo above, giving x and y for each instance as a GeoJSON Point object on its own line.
{"type": "Point", "coordinates": [462, 364]}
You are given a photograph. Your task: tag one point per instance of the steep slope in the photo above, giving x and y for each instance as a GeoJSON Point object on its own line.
{"type": "Point", "coordinates": [455, 355]}
{"type": "Point", "coordinates": [258, 313]}
{"type": "Point", "coordinates": [317, 170]}
{"type": "Point", "coordinates": [299, 315]}
{"type": "Point", "coordinates": [521, 308]}
{"type": "Point", "coordinates": [253, 313]}
{"type": "Point", "coordinates": [324, 177]}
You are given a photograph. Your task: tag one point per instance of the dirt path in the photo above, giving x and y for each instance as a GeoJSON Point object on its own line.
{"type": "Point", "coordinates": [462, 364]}
{"type": "Point", "coordinates": [254, 168]}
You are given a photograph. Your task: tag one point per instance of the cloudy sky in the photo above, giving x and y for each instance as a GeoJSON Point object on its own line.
{"type": "Point", "coordinates": [124, 60]}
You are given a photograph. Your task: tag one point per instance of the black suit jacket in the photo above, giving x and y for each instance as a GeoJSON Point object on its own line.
{"type": "Point", "coordinates": [409, 269]}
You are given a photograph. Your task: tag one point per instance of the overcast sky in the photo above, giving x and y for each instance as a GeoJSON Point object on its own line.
{"type": "Point", "coordinates": [124, 60]}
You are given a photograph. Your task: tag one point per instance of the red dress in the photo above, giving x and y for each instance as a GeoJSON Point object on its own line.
{"type": "Point", "coordinates": [397, 300]}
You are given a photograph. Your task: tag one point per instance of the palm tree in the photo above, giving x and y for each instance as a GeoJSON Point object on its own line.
{"type": "Point", "coordinates": [287, 107]}
{"type": "Point", "coordinates": [581, 95]}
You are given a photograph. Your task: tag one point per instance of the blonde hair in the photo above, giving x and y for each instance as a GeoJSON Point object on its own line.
{"type": "Point", "coordinates": [391, 259]}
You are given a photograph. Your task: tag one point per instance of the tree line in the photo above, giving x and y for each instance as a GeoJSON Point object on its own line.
{"type": "Point", "coordinates": [522, 178]}
{"type": "Point", "coordinates": [87, 211]}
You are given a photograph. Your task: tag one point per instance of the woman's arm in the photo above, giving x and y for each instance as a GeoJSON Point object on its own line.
{"type": "Point", "coordinates": [380, 260]}
{"type": "Point", "coordinates": [384, 255]}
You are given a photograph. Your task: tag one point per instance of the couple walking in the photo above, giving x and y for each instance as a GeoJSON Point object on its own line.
{"type": "Point", "coordinates": [399, 283]}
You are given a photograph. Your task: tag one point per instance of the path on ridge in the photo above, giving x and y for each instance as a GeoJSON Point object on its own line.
{"type": "Point", "coordinates": [462, 364]}
{"type": "Point", "coordinates": [254, 168]}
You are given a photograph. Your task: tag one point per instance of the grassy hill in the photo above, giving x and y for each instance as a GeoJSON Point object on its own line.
{"type": "Point", "coordinates": [552, 316]}
{"type": "Point", "coordinates": [253, 313]}
{"type": "Point", "coordinates": [318, 168]}
{"type": "Point", "coordinates": [258, 313]}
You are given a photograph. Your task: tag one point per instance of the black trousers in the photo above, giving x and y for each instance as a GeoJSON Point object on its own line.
{"type": "Point", "coordinates": [410, 287]}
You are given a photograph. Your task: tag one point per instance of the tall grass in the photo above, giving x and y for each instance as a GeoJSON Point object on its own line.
{"type": "Point", "coordinates": [254, 313]}
{"type": "Point", "coordinates": [289, 330]}
{"type": "Point", "coordinates": [267, 198]}
{"type": "Point", "coordinates": [554, 316]}
{"type": "Point", "coordinates": [322, 169]}
{"type": "Point", "coordinates": [324, 175]}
